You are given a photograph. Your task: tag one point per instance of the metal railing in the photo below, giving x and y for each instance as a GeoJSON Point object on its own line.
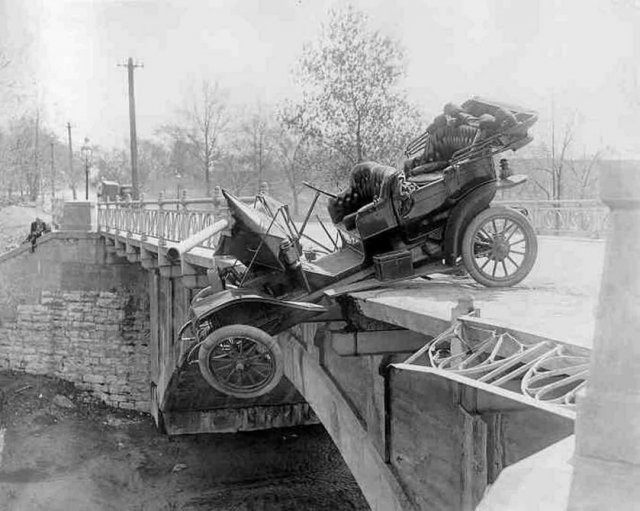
{"type": "Point", "coordinates": [588, 218]}
{"type": "Point", "coordinates": [544, 370]}
{"type": "Point", "coordinates": [172, 220]}
{"type": "Point", "coordinates": [175, 220]}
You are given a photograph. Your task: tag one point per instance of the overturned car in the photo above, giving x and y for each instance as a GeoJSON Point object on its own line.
{"type": "Point", "coordinates": [433, 215]}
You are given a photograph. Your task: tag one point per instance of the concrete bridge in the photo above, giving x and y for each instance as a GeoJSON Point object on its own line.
{"type": "Point", "coordinates": [99, 303]}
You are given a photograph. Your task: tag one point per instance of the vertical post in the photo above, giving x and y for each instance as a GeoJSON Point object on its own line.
{"type": "Point", "coordinates": [73, 186]}
{"type": "Point", "coordinates": [607, 455]}
{"type": "Point", "coordinates": [218, 201]}
{"type": "Point", "coordinates": [53, 177]}
{"type": "Point", "coordinates": [162, 242]}
{"type": "Point", "coordinates": [86, 178]}
{"type": "Point", "coordinates": [35, 190]}
{"type": "Point", "coordinates": [132, 130]}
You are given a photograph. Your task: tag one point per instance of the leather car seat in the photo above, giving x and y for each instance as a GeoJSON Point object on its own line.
{"type": "Point", "coordinates": [367, 182]}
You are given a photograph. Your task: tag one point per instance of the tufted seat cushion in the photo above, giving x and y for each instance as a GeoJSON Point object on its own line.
{"type": "Point", "coordinates": [367, 181]}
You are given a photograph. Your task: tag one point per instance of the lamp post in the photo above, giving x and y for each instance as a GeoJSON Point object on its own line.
{"type": "Point", "coordinates": [178, 188]}
{"type": "Point", "coordinates": [86, 155]}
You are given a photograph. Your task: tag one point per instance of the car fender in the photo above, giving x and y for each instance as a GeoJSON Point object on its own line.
{"type": "Point", "coordinates": [462, 213]}
{"type": "Point", "coordinates": [247, 306]}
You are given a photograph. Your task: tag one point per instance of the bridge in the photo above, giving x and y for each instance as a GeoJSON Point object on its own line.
{"type": "Point", "coordinates": [447, 386]}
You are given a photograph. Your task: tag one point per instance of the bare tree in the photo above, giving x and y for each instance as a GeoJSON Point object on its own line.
{"type": "Point", "coordinates": [583, 172]}
{"type": "Point", "coordinates": [555, 160]}
{"type": "Point", "coordinates": [237, 177]}
{"type": "Point", "coordinates": [561, 174]}
{"type": "Point", "coordinates": [5, 83]}
{"type": "Point", "coordinates": [256, 130]}
{"type": "Point", "coordinates": [289, 151]}
{"type": "Point", "coordinates": [207, 121]}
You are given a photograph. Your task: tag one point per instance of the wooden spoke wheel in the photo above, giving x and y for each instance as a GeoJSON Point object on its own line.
{"type": "Point", "coordinates": [241, 361]}
{"type": "Point", "coordinates": [499, 247]}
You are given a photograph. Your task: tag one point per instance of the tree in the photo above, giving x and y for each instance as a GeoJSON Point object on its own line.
{"type": "Point", "coordinates": [207, 119]}
{"type": "Point", "coordinates": [154, 163]}
{"type": "Point", "coordinates": [4, 82]}
{"type": "Point", "coordinates": [555, 160]}
{"type": "Point", "coordinates": [583, 172]}
{"type": "Point", "coordinates": [235, 176]}
{"type": "Point", "coordinates": [113, 165]}
{"type": "Point", "coordinates": [560, 174]}
{"type": "Point", "coordinates": [290, 152]}
{"type": "Point", "coordinates": [21, 154]}
{"type": "Point", "coordinates": [351, 102]}
{"type": "Point", "coordinates": [256, 142]}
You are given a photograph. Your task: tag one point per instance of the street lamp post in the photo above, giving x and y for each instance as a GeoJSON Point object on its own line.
{"type": "Point", "coordinates": [178, 188]}
{"type": "Point", "coordinates": [86, 155]}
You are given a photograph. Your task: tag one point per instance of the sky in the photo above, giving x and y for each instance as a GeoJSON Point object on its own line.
{"type": "Point", "coordinates": [578, 55]}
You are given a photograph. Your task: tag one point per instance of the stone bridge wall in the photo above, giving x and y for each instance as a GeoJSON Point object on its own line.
{"type": "Point", "coordinates": [64, 312]}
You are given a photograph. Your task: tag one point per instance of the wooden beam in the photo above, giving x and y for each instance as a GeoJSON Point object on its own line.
{"type": "Point", "coordinates": [148, 259]}
{"type": "Point", "coordinates": [132, 252]}
{"type": "Point", "coordinates": [232, 420]}
{"type": "Point", "coordinates": [377, 342]}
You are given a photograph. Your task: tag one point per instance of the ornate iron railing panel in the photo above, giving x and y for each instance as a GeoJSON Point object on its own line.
{"type": "Point", "coordinates": [577, 217]}
{"type": "Point", "coordinates": [172, 221]}
{"type": "Point", "coordinates": [545, 370]}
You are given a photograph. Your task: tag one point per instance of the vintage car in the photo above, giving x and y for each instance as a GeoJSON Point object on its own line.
{"type": "Point", "coordinates": [432, 215]}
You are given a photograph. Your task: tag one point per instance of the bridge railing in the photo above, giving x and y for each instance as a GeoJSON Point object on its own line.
{"type": "Point", "coordinates": [565, 217]}
{"type": "Point", "coordinates": [171, 220]}
{"type": "Point", "coordinates": [177, 219]}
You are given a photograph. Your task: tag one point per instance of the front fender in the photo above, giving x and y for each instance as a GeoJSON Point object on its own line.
{"type": "Point", "coordinates": [462, 213]}
{"type": "Point", "coordinates": [250, 307]}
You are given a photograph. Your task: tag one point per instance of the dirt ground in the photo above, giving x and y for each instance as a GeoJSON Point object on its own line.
{"type": "Point", "coordinates": [91, 457]}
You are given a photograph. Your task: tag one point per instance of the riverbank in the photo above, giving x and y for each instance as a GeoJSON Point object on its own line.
{"type": "Point", "coordinates": [63, 452]}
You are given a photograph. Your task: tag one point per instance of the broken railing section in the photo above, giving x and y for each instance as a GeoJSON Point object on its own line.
{"type": "Point", "coordinates": [542, 369]}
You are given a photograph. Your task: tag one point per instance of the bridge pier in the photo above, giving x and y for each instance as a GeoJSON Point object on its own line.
{"type": "Point", "coordinates": [413, 440]}
{"type": "Point", "coordinates": [360, 448]}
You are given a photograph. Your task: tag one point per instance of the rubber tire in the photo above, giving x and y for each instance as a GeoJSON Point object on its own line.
{"type": "Point", "coordinates": [468, 244]}
{"type": "Point", "coordinates": [251, 332]}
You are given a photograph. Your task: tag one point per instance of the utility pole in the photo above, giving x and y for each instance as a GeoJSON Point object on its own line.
{"type": "Point", "coordinates": [53, 177]}
{"type": "Point", "coordinates": [132, 128]}
{"type": "Point", "coordinates": [71, 176]}
{"type": "Point", "coordinates": [35, 186]}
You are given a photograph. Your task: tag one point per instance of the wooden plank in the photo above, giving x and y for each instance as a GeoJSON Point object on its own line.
{"type": "Point", "coordinates": [474, 460]}
{"type": "Point", "coordinates": [232, 420]}
{"type": "Point", "coordinates": [445, 451]}
{"type": "Point", "coordinates": [429, 434]}
{"type": "Point", "coordinates": [495, 445]}
{"type": "Point", "coordinates": [377, 342]}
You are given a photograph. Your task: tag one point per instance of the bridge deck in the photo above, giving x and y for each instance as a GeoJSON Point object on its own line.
{"type": "Point", "coordinates": [556, 301]}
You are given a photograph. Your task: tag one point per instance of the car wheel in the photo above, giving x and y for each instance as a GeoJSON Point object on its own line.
{"type": "Point", "coordinates": [499, 247]}
{"type": "Point", "coordinates": [241, 361]}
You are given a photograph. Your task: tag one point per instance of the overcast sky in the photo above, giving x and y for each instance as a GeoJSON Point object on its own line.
{"type": "Point", "coordinates": [582, 53]}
